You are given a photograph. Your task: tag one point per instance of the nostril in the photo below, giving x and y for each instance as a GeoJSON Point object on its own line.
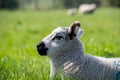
{"type": "Point", "coordinates": [40, 45]}
{"type": "Point", "coordinates": [46, 49]}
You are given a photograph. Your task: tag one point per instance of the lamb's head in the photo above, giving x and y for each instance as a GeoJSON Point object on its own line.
{"type": "Point", "coordinates": [60, 40]}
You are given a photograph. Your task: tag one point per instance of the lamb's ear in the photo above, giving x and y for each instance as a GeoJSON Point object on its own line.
{"type": "Point", "coordinates": [73, 29]}
{"type": "Point", "coordinates": [80, 33]}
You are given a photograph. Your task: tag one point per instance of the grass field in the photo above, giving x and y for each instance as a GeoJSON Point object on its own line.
{"type": "Point", "coordinates": [20, 31]}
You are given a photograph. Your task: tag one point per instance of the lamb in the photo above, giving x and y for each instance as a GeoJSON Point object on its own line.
{"type": "Point", "coordinates": [71, 11]}
{"type": "Point", "coordinates": [87, 8]}
{"type": "Point", "coordinates": [69, 60]}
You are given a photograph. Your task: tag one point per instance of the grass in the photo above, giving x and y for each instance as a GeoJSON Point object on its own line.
{"type": "Point", "coordinates": [20, 31]}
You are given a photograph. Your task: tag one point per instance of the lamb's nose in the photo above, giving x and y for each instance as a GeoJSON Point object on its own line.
{"type": "Point", "coordinates": [41, 48]}
{"type": "Point", "coordinates": [40, 45]}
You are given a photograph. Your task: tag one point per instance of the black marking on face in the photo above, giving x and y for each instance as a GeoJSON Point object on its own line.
{"type": "Point", "coordinates": [42, 50]}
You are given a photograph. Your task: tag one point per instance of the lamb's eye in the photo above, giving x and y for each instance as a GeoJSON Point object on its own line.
{"type": "Point", "coordinates": [58, 37]}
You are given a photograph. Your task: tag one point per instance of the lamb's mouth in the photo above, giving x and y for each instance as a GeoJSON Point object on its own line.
{"type": "Point", "coordinates": [42, 50]}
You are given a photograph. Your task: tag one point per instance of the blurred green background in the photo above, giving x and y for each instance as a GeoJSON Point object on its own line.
{"type": "Point", "coordinates": [23, 23]}
{"type": "Point", "coordinates": [53, 4]}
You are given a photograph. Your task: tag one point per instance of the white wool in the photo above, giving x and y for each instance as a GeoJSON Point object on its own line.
{"type": "Point", "coordinates": [71, 11]}
{"type": "Point", "coordinates": [68, 57]}
{"type": "Point", "coordinates": [87, 8]}
{"type": "Point", "coordinates": [85, 67]}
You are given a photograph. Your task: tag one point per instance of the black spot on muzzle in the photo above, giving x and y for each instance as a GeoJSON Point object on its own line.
{"type": "Point", "coordinates": [42, 50]}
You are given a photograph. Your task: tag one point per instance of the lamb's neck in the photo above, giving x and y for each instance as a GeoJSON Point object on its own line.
{"type": "Point", "coordinates": [59, 60]}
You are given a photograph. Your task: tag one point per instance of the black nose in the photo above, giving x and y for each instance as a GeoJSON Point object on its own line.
{"type": "Point", "coordinates": [41, 48]}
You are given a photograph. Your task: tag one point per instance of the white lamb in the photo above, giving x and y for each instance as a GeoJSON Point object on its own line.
{"type": "Point", "coordinates": [68, 59]}
{"type": "Point", "coordinates": [71, 11]}
{"type": "Point", "coordinates": [87, 8]}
